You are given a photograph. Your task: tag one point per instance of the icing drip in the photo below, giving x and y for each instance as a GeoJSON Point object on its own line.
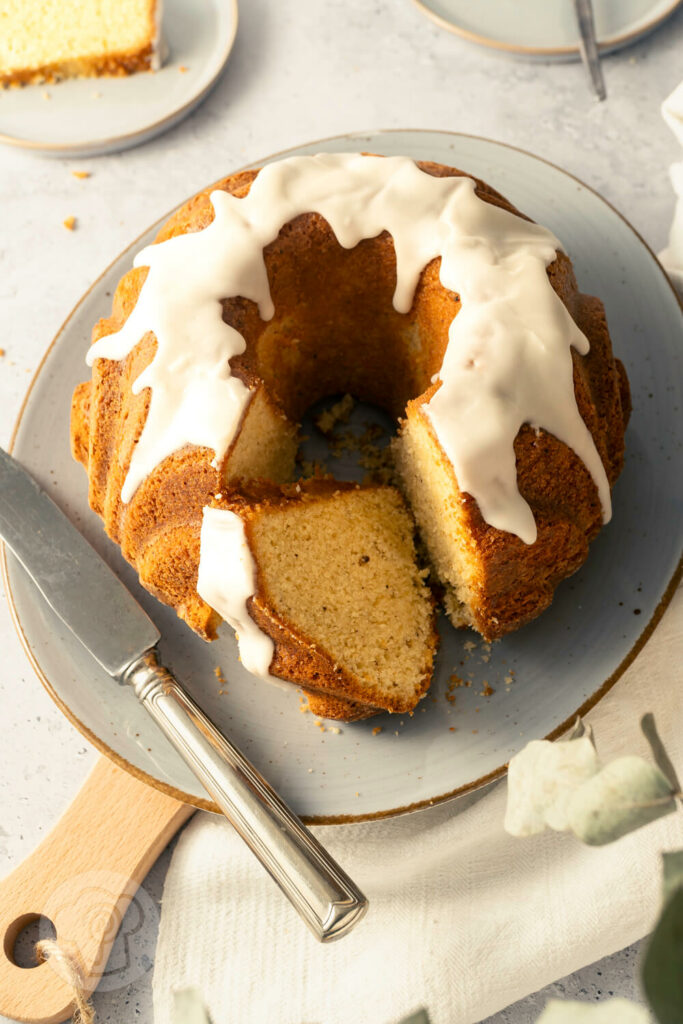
{"type": "Point", "coordinates": [226, 581]}
{"type": "Point", "coordinates": [508, 361]}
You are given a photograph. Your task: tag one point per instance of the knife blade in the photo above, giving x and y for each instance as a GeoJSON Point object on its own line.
{"type": "Point", "coordinates": [105, 617]}
{"type": "Point", "coordinates": [77, 584]}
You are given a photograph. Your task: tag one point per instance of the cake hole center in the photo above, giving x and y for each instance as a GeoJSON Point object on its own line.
{"type": "Point", "coordinates": [347, 439]}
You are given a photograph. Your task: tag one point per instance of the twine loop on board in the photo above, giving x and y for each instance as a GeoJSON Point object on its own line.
{"type": "Point", "coordinates": [68, 969]}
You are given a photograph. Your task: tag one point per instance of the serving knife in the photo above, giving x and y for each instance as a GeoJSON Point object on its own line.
{"type": "Point", "coordinates": [105, 617]}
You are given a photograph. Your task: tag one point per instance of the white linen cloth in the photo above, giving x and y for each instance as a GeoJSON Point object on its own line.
{"type": "Point", "coordinates": [463, 918]}
{"type": "Point", "coordinates": [671, 258]}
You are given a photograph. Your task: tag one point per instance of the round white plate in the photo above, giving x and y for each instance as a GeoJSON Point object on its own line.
{"type": "Point", "coordinates": [546, 28]}
{"type": "Point", "coordinates": [541, 675]}
{"type": "Point", "coordinates": [88, 116]}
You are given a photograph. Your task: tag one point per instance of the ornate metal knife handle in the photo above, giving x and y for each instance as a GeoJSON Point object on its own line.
{"type": "Point", "coordinates": [324, 895]}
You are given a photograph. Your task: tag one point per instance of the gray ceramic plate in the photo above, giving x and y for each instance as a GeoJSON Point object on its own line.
{"type": "Point", "coordinates": [547, 30]}
{"type": "Point", "coordinates": [88, 116]}
{"type": "Point", "coordinates": [541, 676]}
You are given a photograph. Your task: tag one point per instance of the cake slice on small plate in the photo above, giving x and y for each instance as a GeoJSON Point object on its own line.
{"type": "Point", "coordinates": [47, 40]}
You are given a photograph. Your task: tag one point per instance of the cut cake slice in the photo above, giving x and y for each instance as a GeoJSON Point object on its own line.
{"type": "Point", "coordinates": [47, 40]}
{"type": "Point", "coordinates": [339, 592]}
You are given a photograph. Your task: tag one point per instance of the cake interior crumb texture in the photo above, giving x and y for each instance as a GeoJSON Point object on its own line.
{"type": "Point", "coordinates": [374, 615]}
{"type": "Point", "coordinates": [45, 40]}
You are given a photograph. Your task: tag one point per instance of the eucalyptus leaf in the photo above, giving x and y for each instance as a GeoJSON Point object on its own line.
{"type": "Point", "coordinates": [647, 724]}
{"type": "Point", "coordinates": [419, 1017]}
{"type": "Point", "coordinates": [624, 795]}
{"type": "Point", "coordinates": [612, 1011]}
{"type": "Point", "coordinates": [188, 1007]}
{"type": "Point", "coordinates": [663, 964]}
{"type": "Point", "coordinates": [542, 779]}
{"type": "Point", "coordinates": [672, 874]}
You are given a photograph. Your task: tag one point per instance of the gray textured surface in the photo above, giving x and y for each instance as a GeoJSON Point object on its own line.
{"type": "Point", "coordinates": [299, 71]}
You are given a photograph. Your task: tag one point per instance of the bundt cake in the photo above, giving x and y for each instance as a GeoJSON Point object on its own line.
{"type": "Point", "coordinates": [47, 40]}
{"type": "Point", "coordinates": [411, 286]}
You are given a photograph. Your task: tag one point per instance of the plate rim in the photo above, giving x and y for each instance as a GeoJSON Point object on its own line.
{"type": "Point", "coordinates": [568, 52]}
{"type": "Point", "coordinates": [95, 147]}
{"type": "Point", "coordinates": [343, 819]}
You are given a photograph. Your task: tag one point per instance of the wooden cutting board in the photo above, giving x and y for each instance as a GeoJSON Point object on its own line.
{"type": "Point", "coordinates": [82, 877]}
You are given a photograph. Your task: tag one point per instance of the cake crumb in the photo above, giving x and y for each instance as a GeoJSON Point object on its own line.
{"type": "Point", "coordinates": [2, 352]}
{"type": "Point", "coordinates": [379, 462]}
{"type": "Point", "coordinates": [377, 730]}
{"type": "Point", "coordinates": [46, 95]}
{"type": "Point", "coordinates": [488, 690]}
{"type": "Point", "coordinates": [81, 174]}
{"type": "Point", "coordinates": [335, 729]}
{"type": "Point", "coordinates": [451, 728]}
{"type": "Point", "coordinates": [218, 672]}
{"type": "Point", "coordinates": [97, 95]}
{"type": "Point", "coordinates": [470, 645]}
{"type": "Point", "coordinates": [345, 441]}
{"type": "Point", "coordinates": [338, 413]}
{"type": "Point", "coordinates": [312, 469]}
{"type": "Point", "coordinates": [183, 69]}
{"type": "Point", "coordinates": [70, 223]}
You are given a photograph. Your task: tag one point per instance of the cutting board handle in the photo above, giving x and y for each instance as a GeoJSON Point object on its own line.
{"type": "Point", "coordinates": [82, 877]}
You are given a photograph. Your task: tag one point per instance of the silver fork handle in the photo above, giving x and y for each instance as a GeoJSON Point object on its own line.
{"type": "Point", "coordinates": [323, 894]}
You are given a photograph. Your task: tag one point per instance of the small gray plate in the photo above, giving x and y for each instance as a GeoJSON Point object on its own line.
{"type": "Point", "coordinates": [541, 676]}
{"type": "Point", "coordinates": [546, 30]}
{"type": "Point", "coordinates": [89, 116]}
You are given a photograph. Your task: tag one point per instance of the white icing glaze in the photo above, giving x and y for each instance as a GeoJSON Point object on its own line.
{"type": "Point", "coordinates": [508, 361]}
{"type": "Point", "coordinates": [226, 581]}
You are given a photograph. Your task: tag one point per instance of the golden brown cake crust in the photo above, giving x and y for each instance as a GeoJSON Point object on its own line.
{"type": "Point", "coordinates": [322, 705]}
{"type": "Point", "coordinates": [57, 40]}
{"type": "Point", "coordinates": [346, 337]}
{"type": "Point", "coordinates": [112, 65]}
